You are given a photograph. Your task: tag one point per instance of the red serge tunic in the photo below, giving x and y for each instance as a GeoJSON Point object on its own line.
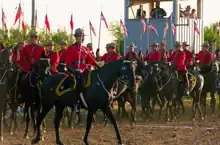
{"type": "Point", "coordinates": [29, 55]}
{"type": "Point", "coordinates": [204, 57]}
{"type": "Point", "coordinates": [153, 56]}
{"type": "Point", "coordinates": [109, 57]}
{"type": "Point", "coordinates": [72, 57]}
{"type": "Point", "coordinates": [54, 61]}
{"type": "Point", "coordinates": [62, 54]}
{"type": "Point", "coordinates": [189, 59]}
{"type": "Point", "coordinates": [131, 56]}
{"type": "Point", "coordinates": [179, 57]}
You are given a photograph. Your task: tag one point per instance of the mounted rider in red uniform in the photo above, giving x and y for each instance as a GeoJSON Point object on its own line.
{"type": "Point", "coordinates": [78, 56]}
{"type": "Point", "coordinates": [154, 56]}
{"type": "Point", "coordinates": [164, 53]}
{"type": "Point", "coordinates": [131, 55]}
{"type": "Point", "coordinates": [53, 56]}
{"type": "Point", "coordinates": [178, 58]}
{"type": "Point", "coordinates": [16, 53]}
{"type": "Point", "coordinates": [189, 59]}
{"type": "Point", "coordinates": [90, 63]}
{"type": "Point", "coordinates": [204, 57]}
{"type": "Point", "coordinates": [62, 54]}
{"type": "Point", "coordinates": [31, 53]}
{"type": "Point", "coordinates": [111, 54]}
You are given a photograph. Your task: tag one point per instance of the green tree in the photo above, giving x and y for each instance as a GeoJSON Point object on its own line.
{"type": "Point", "coordinates": [118, 35]}
{"type": "Point", "coordinates": [211, 34]}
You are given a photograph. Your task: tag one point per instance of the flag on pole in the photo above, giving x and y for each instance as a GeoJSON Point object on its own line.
{"type": "Point", "coordinates": [173, 28]}
{"type": "Point", "coordinates": [196, 29]}
{"type": "Point", "coordinates": [166, 27]}
{"type": "Point", "coordinates": [103, 18]}
{"type": "Point", "coordinates": [47, 23]}
{"type": "Point", "coordinates": [22, 22]}
{"type": "Point", "coordinates": [3, 20]}
{"type": "Point", "coordinates": [144, 24]}
{"type": "Point", "coordinates": [92, 28]}
{"type": "Point", "coordinates": [35, 19]}
{"type": "Point", "coordinates": [71, 22]}
{"type": "Point", "coordinates": [18, 14]}
{"type": "Point", "coordinates": [124, 28]}
{"type": "Point", "coordinates": [153, 29]}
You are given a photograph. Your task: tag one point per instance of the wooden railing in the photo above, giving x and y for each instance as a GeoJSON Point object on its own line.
{"type": "Point", "coordinates": [185, 32]}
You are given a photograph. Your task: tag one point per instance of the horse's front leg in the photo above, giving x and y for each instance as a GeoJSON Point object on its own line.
{"type": "Point", "coordinates": [88, 125]}
{"type": "Point", "coordinates": [13, 123]}
{"type": "Point", "coordinates": [213, 102]}
{"type": "Point", "coordinates": [33, 118]}
{"type": "Point", "coordinates": [27, 120]}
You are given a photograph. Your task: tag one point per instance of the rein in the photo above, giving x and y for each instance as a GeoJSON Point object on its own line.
{"type": "Point", "coordinates": [165, 84]}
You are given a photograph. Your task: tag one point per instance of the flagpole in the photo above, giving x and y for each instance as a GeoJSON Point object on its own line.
{"type": "Point", "coordinates": [2, 15]}
{"type": "Point", "coordinates": [100, 27]}
{"type": "Point", "coordinates": [171, 33]}
{"type": "Point", "coordinates": [19, 24]}
{"type": "Point", "coordinates": [46, 26]}
{"type": "Point", "coordinates": [90, 31]}
{"type": "Point", "coordinates": [141, 31]}
{"type": "Point", "coordinates": [148, 35]}
{"type": "Point", "coordinates": [24, 31]}
{"type": "Point", "coordinates": [71, 31]}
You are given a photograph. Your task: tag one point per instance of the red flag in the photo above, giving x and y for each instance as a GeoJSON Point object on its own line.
{"type": "Point", "coordinates": [71, 22]}
{"type": "Point", "coordinates": [144, 24]}
{"type": "Point", "coordinates": [103, 18]}
{"type": "Point", "coordinates": [4, 20]}
{"type": "Point", "coordinates": [196, 29]}
{"type": "Point", "coordinates": [124, 28]}
{"type": "Point", "coordinates": [166, 27]}
{"type": "Point", "coordinates": [153, 29]}
{"type": "Point", "coordinates": [18, 14]}
{"type": "Point", "coordinates": [47, 23]}
{"type": "Point", "coordinates": [173, 28]}
{"type": "Point", "coordinates": [92, 28]}
{"type": "Point", "coordinates": [23, 25]}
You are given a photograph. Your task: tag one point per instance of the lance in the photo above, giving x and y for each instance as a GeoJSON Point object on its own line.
{"type": "Point", "coordinates": [80, 49]}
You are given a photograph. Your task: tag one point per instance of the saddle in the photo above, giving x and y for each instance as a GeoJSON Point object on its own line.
{"type": "Point", "coordinates": [69, 83]}
{"type": "Point", "coordinates": [191, 77]}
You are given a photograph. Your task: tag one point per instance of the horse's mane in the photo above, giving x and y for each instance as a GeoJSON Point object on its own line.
{"type": "Point", "coordinates": [110, 64]}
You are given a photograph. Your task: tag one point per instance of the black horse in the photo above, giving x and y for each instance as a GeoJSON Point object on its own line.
{"type": "Point", "coordinates": [29, 87]}
{"type": "Point", "coordinates": [7, 83]}
{"type": "Point", "coordinates": [210, 74]}
{"type": "Point", "coordinates": [97, 95]}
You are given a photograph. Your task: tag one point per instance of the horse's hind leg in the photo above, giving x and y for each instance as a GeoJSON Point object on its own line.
{"type": "Point", "coordinates": [194, 106]}
{"type": "Point", "coordinates": [88, 125]}
{"type": "Point", "coordinates": [58, 117]}
{"type": "Point", "coordinates": [33, 118]}
{"type": "Point", "coordinates": [13, 118]}
{"type": "Point", "coordinates": [111, 117]}
{"type": "Point", "coordinates": [213, 102]}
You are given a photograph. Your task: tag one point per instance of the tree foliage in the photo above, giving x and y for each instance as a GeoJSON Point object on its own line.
{"type": "Point", "coordinates": [212, 34]}
{"type": "Point", "coordinates": [11, 36]}
{"type": "Point", "coordinates": [118, 35]}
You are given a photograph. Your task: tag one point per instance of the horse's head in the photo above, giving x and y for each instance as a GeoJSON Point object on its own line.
{"type": "Point", "coordinates": [42, 67]}
{"type": "Point", "coordinates": [127, 72]}
{"type": "Point", "coordinates": [6, 58]}
{"type": "Point", "coordinates": [141, 69]}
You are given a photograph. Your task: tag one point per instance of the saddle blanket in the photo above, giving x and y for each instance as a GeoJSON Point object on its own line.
{"type": "Point", "coordinates": [67, 84]}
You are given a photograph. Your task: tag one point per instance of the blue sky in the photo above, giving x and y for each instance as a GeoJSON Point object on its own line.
{"type": "Point", "coordinates": [59, 12]}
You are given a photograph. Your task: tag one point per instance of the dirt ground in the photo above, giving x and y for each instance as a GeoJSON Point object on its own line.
{"type": "Point", "coordinates": [152, 132]}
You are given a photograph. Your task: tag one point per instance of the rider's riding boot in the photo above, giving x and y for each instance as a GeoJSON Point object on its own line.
{"type": "Point", "coordinates": [115, 89]}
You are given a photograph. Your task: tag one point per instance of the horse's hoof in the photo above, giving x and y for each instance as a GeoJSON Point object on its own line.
{"type": "Point", "coordinates": [44, 131]}
{"type": "Point", "coordinates": [35, 141]}
{"type": "Point", "coordinates": [42, 138]}
{"type": "Point", "coordinates": [133, 125]}
{"type": "Point", "coordinates": [202, 118]}
{"type": "Point", "coordinates": [168, 119]}
{"type": "Point", "coordinates": [193, 119]}
{"type": "Point", "coordinates": [11, 133]}
{"type": "Point", "coordinates": [59, 143]}
{"type": "Point", "coordinates": [2, 138]}
{"type": "Point", "coordinates": [26, 136]}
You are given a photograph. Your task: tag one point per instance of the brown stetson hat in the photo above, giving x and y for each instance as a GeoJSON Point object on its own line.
{"type": "Point", "coordinates": [178, 43]}
{"type": "Point", "coordinates": [162, 42]}
{"type": "Point", "coordinates": [50, 43]}
{"type": "Point", "coordinates": [205, 44]}
{"type": "Point", "coordinates": [154, 43]}
{"type": "Point", "coordinates": [185, 44]}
